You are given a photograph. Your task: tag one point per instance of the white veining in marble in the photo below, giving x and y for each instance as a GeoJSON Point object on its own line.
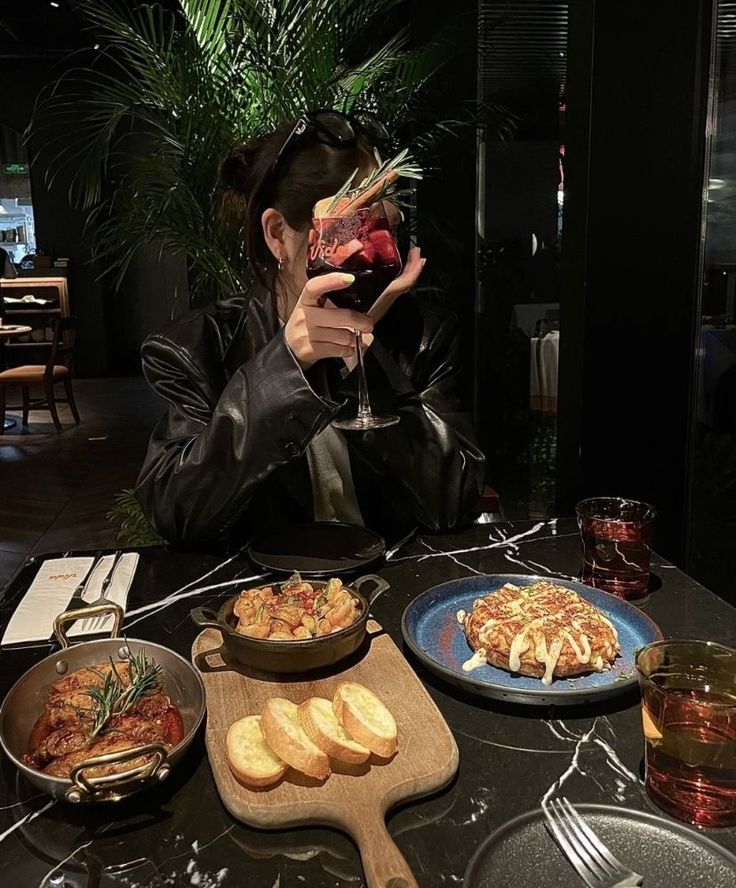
{"type": "Point", "coordinates": [45, 881]}
{"type": "Point", "coordinates": [509, 557]}
{"type": "Point", "coordinates": [503, 541]}
{"type": "Point", "coordinates": [571, 768]}
{"type": "Point", "coordinates": [586, 745]}
{"type": "Point", "coordinates": [154, 607]}
{"type": "Point", "coordinates": [23, 802]}
{"type": "Point", "coordinates": [557, 727]}
{"type": "Point", "coordinates": [450, 556]}
{"type": "Point", "coordinates": [486, 742]}
{"type": "Point", "coordinates": [615, 763]}
{"type": "Point", "coordinates": [27, 819]}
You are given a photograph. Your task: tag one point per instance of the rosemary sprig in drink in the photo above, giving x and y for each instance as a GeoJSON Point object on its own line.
{"type": "Point", "coordinates": [378, 185]}
{"type": "Point", "coordinates": [115, 698]}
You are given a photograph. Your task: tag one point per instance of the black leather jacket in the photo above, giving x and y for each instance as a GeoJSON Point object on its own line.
{"type": "Point", "coordinates": [227, 461]}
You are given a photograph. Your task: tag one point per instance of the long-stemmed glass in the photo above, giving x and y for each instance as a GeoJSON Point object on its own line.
{"type": "Point", "coordinates": [361, 244]}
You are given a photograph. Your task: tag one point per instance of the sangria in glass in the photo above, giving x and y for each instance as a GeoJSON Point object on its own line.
{"type": "Point", "coordinates": [362, 244]}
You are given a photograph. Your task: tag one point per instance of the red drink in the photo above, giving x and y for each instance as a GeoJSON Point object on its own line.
{"type": "Point", "coordinates": [617, 545]}
{"type": "Point", "coordinates": [368, 286]}
{"type": "Point", "coordinates": [689, 718]}
{"type": "Point", "coordinates": [361, 244]}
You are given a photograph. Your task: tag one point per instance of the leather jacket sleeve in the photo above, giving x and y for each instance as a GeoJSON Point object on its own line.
{"type": "Point", "coordinates": [430, 456]}
{"type": "Point", "coordinates": [221, 438]}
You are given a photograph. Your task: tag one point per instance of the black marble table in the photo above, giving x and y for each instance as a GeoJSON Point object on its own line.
{"type": "Point", "coordinates": [180, 835]}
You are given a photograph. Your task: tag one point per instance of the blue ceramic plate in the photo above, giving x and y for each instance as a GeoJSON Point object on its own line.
{"type": "Point", "coordinates": [431, 630]}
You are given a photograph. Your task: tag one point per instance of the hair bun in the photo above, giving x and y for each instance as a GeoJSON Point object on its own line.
{"type": "Point", "coordinates": [236, 168]}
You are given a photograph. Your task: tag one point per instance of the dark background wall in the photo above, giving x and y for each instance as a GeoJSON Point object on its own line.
{"type": "Point", "coordinates": [631, 253]}
{"type": "Point", "coordinates": [35, 44]}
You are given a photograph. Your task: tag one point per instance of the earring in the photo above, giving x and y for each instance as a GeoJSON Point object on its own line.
{"type": "Point", "coordinates": [280, 263]}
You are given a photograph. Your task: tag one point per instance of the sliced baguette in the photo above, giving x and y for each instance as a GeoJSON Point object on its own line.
{"type": "Point", "coordinates": [251, 759]}
{"type": "Point", "coordinates": [287, 738]}
{"type": "Point", "coordinates": [321, 725]}
{"type": "Point", "coordinates": [365, 718]}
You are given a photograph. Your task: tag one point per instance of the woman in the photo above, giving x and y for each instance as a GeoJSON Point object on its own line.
{"type": "Point", "coordinates": [253, 385]}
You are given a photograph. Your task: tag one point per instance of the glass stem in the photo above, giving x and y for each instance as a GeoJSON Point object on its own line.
{"type": "Point", "coordinates": [364, 406]}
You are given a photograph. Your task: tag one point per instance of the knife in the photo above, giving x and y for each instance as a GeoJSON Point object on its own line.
{"type": "Point", "coordinates": [78, 596]}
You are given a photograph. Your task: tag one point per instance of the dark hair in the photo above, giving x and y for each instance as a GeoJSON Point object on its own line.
{"type": "Point", "coordinates": [247, 173]}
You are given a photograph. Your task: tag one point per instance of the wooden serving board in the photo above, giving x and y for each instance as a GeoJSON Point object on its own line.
{"type": "Point", "coordinates": [355, 798]}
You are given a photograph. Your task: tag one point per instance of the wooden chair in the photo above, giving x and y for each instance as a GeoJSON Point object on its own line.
{"type": "Point", "coordinates": [62, 347]}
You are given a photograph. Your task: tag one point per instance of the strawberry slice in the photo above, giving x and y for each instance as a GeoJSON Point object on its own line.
{"type": "Point", "coordinates": [384, 246]}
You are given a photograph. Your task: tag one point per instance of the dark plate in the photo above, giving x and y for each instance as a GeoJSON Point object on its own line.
{"type": "Point", "coordinates": [431, 630]}
{"type": "Point", "coordinates": [522, 854]}
{"type": "Point", "coordinates": [323, 549]}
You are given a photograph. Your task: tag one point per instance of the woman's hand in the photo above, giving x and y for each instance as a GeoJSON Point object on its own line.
{"type": "Point", "coordinates": [316, 331]}
{"type": "Point", "coordinates": [400, 285]}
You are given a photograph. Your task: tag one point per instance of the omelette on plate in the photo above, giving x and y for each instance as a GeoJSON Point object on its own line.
{"type": "Point", "coordinates": [542, 630]}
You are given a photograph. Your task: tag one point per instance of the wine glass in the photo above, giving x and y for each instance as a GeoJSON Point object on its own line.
{"type": "Point", "coordinates": [361, 244]}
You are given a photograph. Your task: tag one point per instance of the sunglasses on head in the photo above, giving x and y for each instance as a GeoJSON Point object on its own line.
{"type": "Point", "coordinates": [331, 128]}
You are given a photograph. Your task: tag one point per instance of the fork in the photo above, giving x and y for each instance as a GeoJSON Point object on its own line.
{"type": "Point", "coordinates": [78, 596]}
{"type": "Point", "coordinates": [590, 858]}
{"type": "Point", "coordinates": [93, 624]}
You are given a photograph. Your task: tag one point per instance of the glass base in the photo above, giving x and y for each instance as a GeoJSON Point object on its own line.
{"type": "Point", "coordinates": [365, 423]}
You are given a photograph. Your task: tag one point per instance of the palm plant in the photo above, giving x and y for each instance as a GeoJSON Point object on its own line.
{"type": "Point", "coordinates": [171, 91]}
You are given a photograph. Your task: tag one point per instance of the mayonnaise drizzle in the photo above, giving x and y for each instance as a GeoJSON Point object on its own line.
{"type": "Point", "coordinates": [582, 651]}
{"type": "Point", "coordinates": [529, 635]}
{"type": "Point", "coordinates": [519, 646]}
{"type": "Point", "coordinates": [478, 659]}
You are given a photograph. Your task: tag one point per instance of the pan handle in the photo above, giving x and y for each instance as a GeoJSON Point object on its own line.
{"type": "Point", "coordinates": [206, 618]}
{"type": "Point", "coordinates": [81, 613]}
{"type": "Point", "coordinates": [114, 787]}
{"type": "Point", "coordinates": [381, 586]}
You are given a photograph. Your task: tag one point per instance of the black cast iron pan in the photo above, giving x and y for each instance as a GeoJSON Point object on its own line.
{"type": "Point", "coordinates": [299, 655]}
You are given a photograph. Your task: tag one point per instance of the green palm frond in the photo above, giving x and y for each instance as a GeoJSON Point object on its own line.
{"type": "Point", "coordinates": [168, 95]}
{"type": "Point", "coordinates": [134, 529]}
{"type": "Point", "coordinates": [211, 21]}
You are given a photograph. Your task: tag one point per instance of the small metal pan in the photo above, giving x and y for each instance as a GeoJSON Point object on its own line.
{"type": "Point", "coordinates": [299, 655]}
{"type": "Point", "coordinates": [27, 697]}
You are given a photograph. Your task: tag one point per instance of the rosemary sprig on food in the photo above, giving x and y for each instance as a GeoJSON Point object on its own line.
{"type": "Point", "coordinates": [115, 698]}
{"type": "Point", "coordinates": [146, 678]}
{"type": "Point", "coordinates": [106, 699]}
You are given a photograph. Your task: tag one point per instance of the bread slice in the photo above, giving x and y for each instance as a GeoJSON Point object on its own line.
{"type": "Point", "coordinates": [284, 734]}
{"type": "Point", "coordinates": [321, 725]}
{"type": "Point", "coordinates": [251, 759]}
{"type": "Point", "coordinates": [365, 718]}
